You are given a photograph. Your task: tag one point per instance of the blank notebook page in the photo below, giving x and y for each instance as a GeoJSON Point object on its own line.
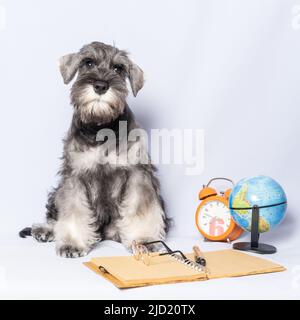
{"type": "Point", "coordinates": [233, 263]}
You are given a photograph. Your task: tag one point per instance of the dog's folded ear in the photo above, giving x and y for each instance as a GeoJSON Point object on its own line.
{"type": "Point", "coordinates": [68, 66]}
{"type": "Point", "coordinates": [136, 78]}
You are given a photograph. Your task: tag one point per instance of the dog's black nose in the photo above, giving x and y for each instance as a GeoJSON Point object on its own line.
{"type": "Point", "coordinates": [101, 87]}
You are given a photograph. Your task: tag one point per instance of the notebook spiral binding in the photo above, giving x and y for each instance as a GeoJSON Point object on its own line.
{"type": "Point", "coordinates": [188, 263]}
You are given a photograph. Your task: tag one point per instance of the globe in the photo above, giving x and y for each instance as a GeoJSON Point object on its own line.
{"type": "Point", "coordinates": [264, 192]}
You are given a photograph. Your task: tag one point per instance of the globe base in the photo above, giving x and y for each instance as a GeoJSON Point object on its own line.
{"type": "Point", "coordinates": [261, 248]}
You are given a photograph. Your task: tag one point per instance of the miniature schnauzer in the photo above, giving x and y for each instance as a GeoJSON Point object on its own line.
{"type": "Point", "coordinates": [100, 196]}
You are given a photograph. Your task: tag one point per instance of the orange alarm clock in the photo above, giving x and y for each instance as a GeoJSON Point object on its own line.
{"type": "Point", "coordinates": [213, 217]}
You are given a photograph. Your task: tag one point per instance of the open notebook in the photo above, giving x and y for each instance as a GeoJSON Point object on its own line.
{"type": "Point", "coordinates": [126, 272]}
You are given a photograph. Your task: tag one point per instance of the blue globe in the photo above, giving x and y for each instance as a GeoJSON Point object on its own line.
{"type": "Point", "coordinates": [261, 191]}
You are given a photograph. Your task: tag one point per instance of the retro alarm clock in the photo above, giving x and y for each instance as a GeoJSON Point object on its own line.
{"type": "Point", "coordinates": [213, 216]}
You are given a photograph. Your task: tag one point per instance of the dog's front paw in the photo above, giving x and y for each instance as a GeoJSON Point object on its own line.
{"type": "Point", "coordinates": [71, 251]}
{"type": "Point", "coordinates": [42, 233]}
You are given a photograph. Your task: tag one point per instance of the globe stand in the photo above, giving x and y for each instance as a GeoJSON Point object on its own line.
{"type": "Point", "coordinates": [254, 245]}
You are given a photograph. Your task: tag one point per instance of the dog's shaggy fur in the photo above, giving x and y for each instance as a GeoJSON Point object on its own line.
{"type": "Point", "coordinates": [101, 194]}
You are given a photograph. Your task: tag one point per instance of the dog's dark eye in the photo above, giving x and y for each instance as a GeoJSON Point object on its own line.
{"type": "Point", "coordinates": [90, 63]}
{"type": "Point", "coordinates": [118, 68]}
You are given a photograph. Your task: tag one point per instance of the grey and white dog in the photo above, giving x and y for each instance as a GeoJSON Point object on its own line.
{"type": "Point", "coordinates": [99, 197]}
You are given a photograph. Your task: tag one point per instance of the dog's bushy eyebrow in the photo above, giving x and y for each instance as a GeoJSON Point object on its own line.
{"type": "Point", "coordinates": [99, 53]}
{"type": "Point", "coordinates": [89, 54]}
{"type": "Point", "coordinates": [121, 58]}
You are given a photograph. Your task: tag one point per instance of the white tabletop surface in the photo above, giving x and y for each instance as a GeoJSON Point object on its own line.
{"type": "Point", "coordinates": [32, 271]}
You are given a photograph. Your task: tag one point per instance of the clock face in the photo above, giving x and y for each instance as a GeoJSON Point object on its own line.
{"type": "Point", "coordinates": [214, 218]}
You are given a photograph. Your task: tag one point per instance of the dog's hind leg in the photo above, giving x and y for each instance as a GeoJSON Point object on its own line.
{"type": "Point", "coordinates": [43, 232]}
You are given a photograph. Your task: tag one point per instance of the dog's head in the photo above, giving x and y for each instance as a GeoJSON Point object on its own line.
{"type": "Point", "coordinates": [100, 90]}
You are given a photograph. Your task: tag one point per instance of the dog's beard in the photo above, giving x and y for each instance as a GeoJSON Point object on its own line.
{"type": "Point", "coordinates": [94, 108]}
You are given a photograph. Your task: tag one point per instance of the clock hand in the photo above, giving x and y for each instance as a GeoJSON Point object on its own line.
{"type": "Point", "coordinates": [208, 215]}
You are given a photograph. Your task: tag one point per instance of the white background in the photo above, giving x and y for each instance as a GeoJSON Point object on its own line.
{"type": "Point", "coordinates": [229, 67]}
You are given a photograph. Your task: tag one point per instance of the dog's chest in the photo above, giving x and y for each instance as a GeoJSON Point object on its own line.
{"type": "Point", "coordinates": [91, 158]}
{"type": "Point", "coordinates": [85, 160]}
